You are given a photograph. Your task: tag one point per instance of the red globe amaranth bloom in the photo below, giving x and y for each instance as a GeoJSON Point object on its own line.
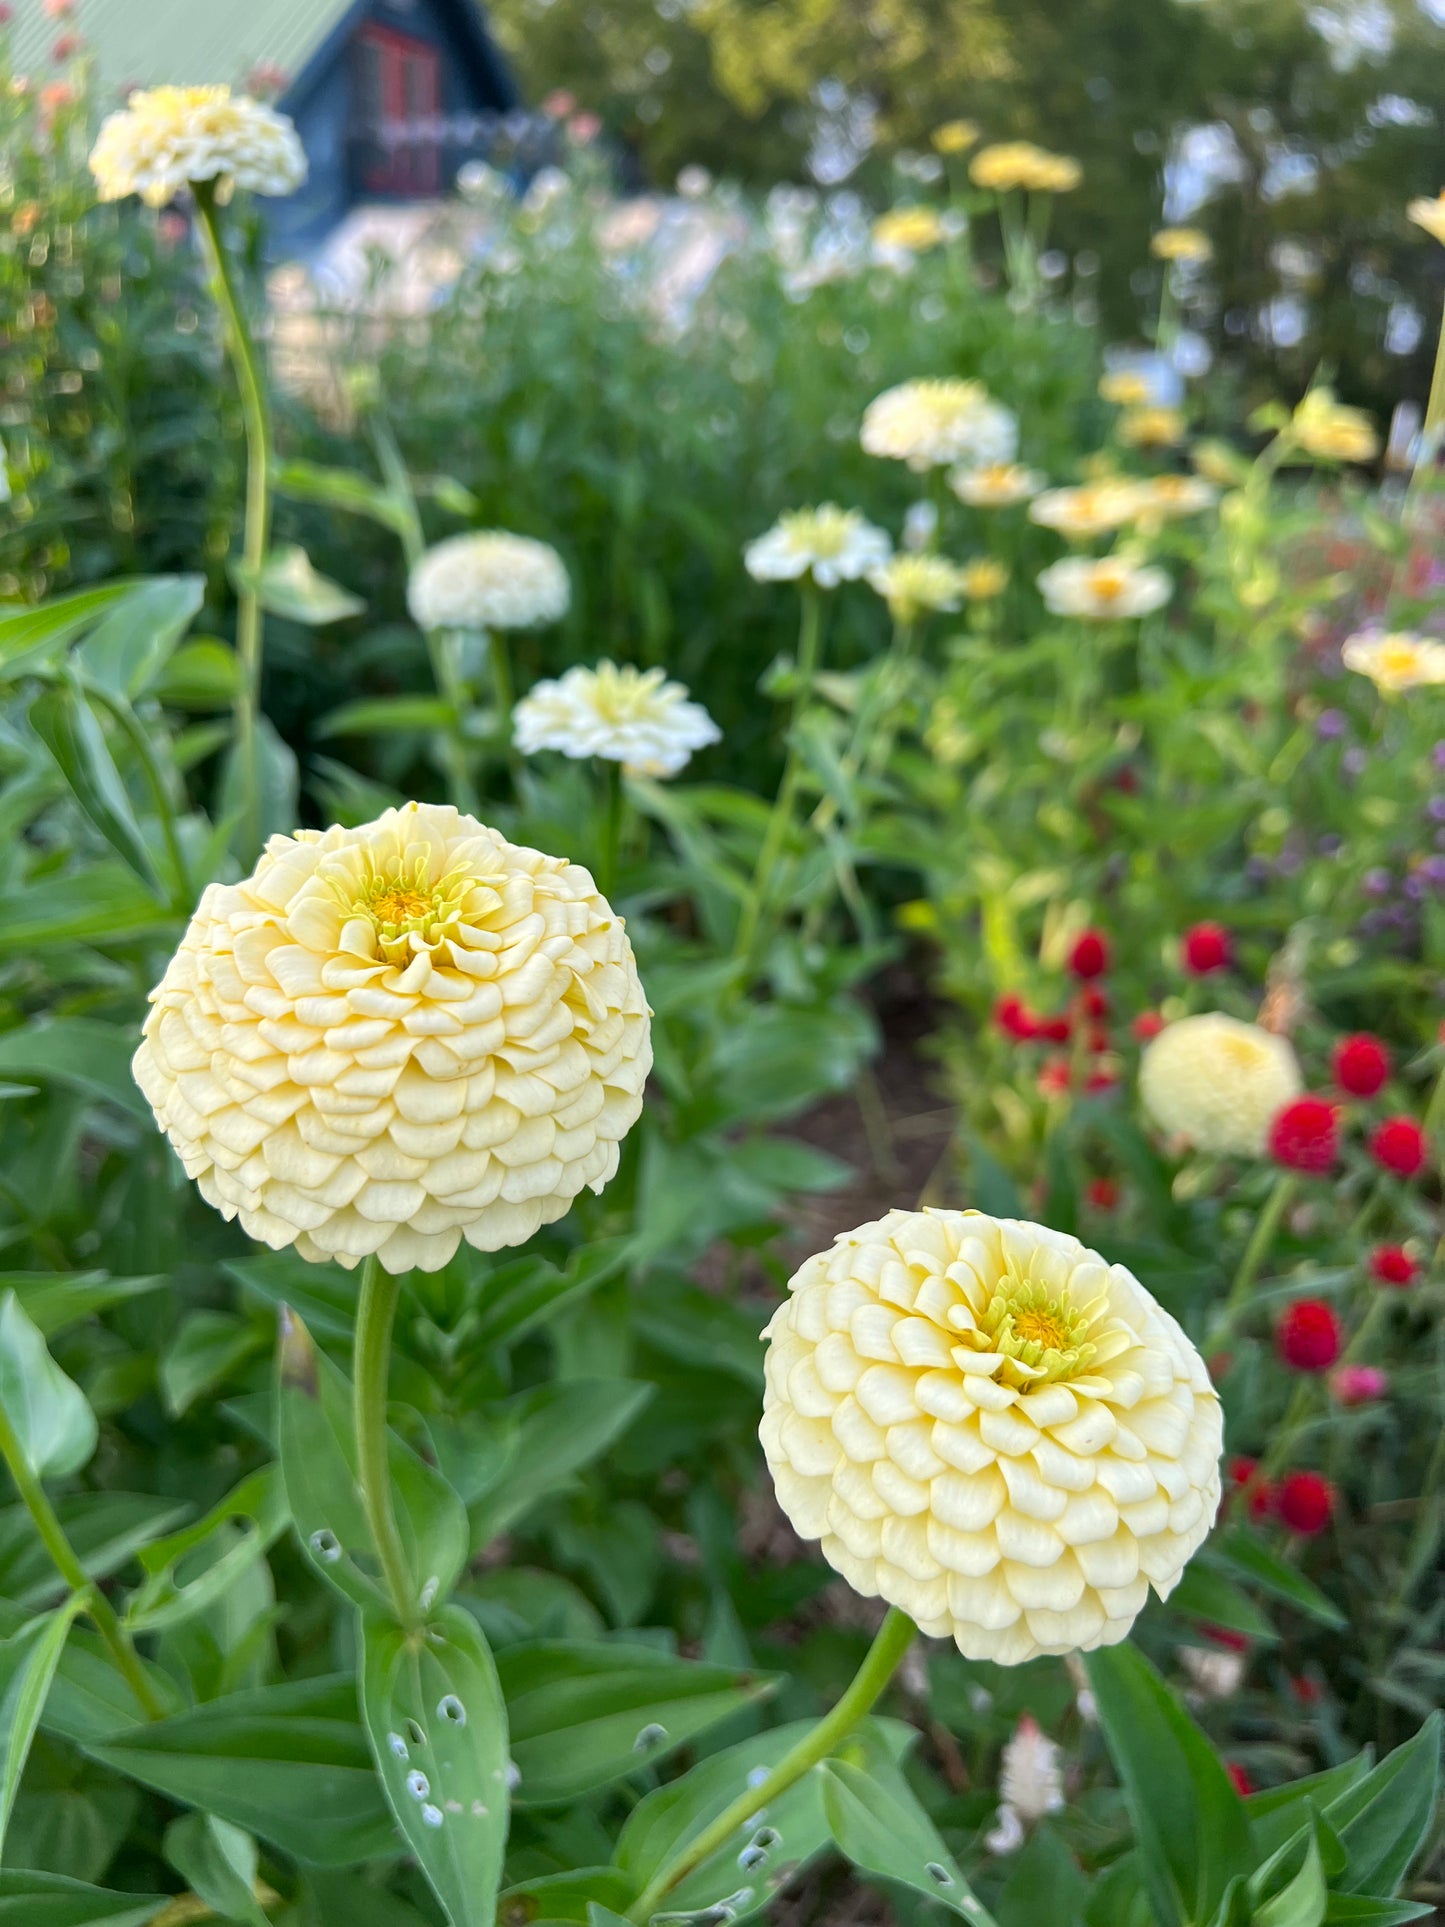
{"type": "Point", "coordinates": [1400, 1146]}
{"type": "Point", "coordinates": [1098, 1081]}
{"type": "Point", "coordinates": [1055, 1077]}
{"type": "Point", "coordinates": [1090, 956]}
{"type": "Point", "coordinates": [1361, 1065]}
{"type": "Point", "coordinates": [1102, 1193]}
{"type": "Point", "coordinates": [1305, 1135]}
{"type": "Point", "coordinates": [1305, 1501]}
{"type": "Point", "coordinates": [1094, 1002]}
{"type": "Point", "coordinates": [1227, 1637]}
{"type": "Point", "coordinates": [1147, 1026]}
{"type": "Point", "coordinates": [1307, 1691]}
{"type": "Point", "coordinates": [1207, 947]}
{"type": "Point", "coordinates": [1053, 1030]}
{"type": "Point", "coordinates": [1242, 1782]}
{"type": "Point", "coordinates": [1246, 1480]}
{"type": "Point", "coordinates": [1309, 1337]}
{"type": "Point", "coordinates": [1393, 1265]}
{"type": "Point", "coordinates": [1358, 1384]}
{"type": "Point", "coordinates": [1015, 1019]}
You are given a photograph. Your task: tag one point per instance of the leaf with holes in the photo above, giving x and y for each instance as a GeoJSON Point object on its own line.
{"type": "Point", "coordinates": [53, 1424]}
{"type": "Point", "coordinates": [877, 1823]}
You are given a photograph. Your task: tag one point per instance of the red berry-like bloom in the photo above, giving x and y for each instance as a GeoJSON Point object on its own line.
{"type": "Point", "coordinates": [1393, 1265]}
{"type": "Point", "coordinates": [1207, 947]}
{"type": "Point", "coordinates": [1242, 1782]}
{"type": "Point", "coordinates": [1090, 956]}
{"type": "Point", "coordinates": [1053, 1030]}
{"type": "Point", "coordinates": [1014, 1019]}
{"type": "Point", "coordinates": [1147, 1026]}
{"type": "Point", "coordinates": [1094, 1002]}
{"type": "Point", "coordinates": [1305, 1501]}
{"type": "Point", "coordinates": [1361, 1065]}
{"type": "Point", "coordinates": [1245, 1477]}
{"type": "Point", "coordinates": [1310, 1337]}
{"type": "Point", "coordinates": [1305, 1135]}
{"type": "Point", "coordinates": [1102, 1193]}
{"type": "Point", "coordinates": [1400, 1146]}
{"type": "Point", "coordinates": [1055, 1077]}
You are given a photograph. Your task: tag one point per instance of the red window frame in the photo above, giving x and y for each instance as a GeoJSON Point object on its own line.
{"type": "Point", "coordinates": [398, 78]}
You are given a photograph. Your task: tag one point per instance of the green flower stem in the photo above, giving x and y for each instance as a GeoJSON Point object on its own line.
{"type": "Point", "coordinates": [882, 1661]}
{"type": "Point", "coordinates": [257, 534]}
{"type": "Point", "coordinates": [875, 709]}
{"type": "Point", "coordinates": [1290, 1426]}
{"type": "Point", "coordinates": [502, 688]}
{"type": "Point", "coordinates": [614, 804]}
{"type": "Point", "coordinates": [1257, 1250]}
{"type": "Point", "coordinates": [1433, 425]}
{"type": "Point", "coordinates": [138, 737]}
{"type": "Point", "coordinates": [375, 1314]}
{"type": "Point", "coordinates": [810, 641]}
{"type": "Point", "coordinates": [67, 1564]}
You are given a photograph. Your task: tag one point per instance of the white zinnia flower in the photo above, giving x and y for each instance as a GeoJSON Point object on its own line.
{"type": "Point", "coordinates": [623, 715]}
{"type": "Point", "coordinates": [1218, 1083]}
{"type": "Point", "coordinates": [992, 1428]}
{"type": "Point", "coordinates": [1103, 589]}
{"type": "Point", "coordinates": [1095, 508]}
{"type": "Point", "coordinates": [1396, 662]}
{"type": "Point", "coordinates": [391, 1038]}
{"type": "Point", "coordinates": [913, 584]}
{"type": "Point", "coordinates": [998, 485]}
{"type": "Point", "coordinates": [832, 545]}
{"type": "Point", "coordinates": [1163, 497]}
{"type": "Point", "coordinates": [930, 424]}
{"type": "Point", "coordinates": [167, 137]}
{"type": "Point", "coordinates": [488, 579]}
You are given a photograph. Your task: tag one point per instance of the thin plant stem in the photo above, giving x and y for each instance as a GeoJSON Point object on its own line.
{"type": "Point", "coordinates": [1428, 447]}
{"type": "Point", "coordinates": [1289, 1427]}
{"type": "Point", "coordinates": [257, 532]}
{"type": "Point", "coordinates": [614, 804]}
{"type": "Point", "coordinates": [1258, 1248]}
{"type": "Point", "coordinates": [872, 711]}
{"type": "Point", "coordinates": [138, 737]}
{"type": "Point", "coordinates": [66, 1562]}
{"type": "Point", "coordinates": [502, 688]}
{"type": "Point", "coordinates": [375, 1315]}
{"type": "Point", "coordinates": [883, 1658]}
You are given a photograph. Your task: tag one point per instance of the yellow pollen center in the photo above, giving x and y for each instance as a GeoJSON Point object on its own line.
{"type": "Point", "coordinates": [1398, 658]}
{"type": "Point", "coordinates": [398, 906]}
{"type": "Point", "coordinates": [1037, 1327]}
{"type": "Point", "coordinates": [1107, 586]}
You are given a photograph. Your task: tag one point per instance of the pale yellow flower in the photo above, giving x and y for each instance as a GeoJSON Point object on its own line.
{"type": "Point", "coordinates": [1429, 214]}
{"type": "Point", "coordinates": [1009, 165]}
{"type": "Point", "coordinates": [931, 424]}
{"type": "Point", "coordinates": [914, 584]}
{"type": "Point", "coordinates": [1396, 662]}
{"type": "Point", "coordinates": [955, 136]}
{"type": "Point", "coordinates": [1104, 590]}
{"type": "Point", "coordinates": [1218, 1083]}
{"type": "Point", "coordinates": [914, 229]}
{"type": "Point", "coordinates": [1328, 430]}
{"type": "Point", "coordinates": [391, 1038]}
{"type": "Point", "coordinates": [1151, 427]}
{"type": "Point", "coordinates": [1163, 497]}
{"type": "Point", "coordinates": [1093, 509]}
{"type": "Point", "coordinates": [169, 137]}
{"type": "Point", "coordinates": [997, 485]}
{"type": "Point", "coordinates": [629, 716]}
{"type": "Point", "coordinates": [983, 579]}
{"type": "Point", "coordinates": [830, 544]}
{"type": "Point", "coordinates": [488, 579]}
{"type": "Point", "coordinates": [1125, 387]}
{"type": "Point", "coordinates": [1181, 244]}
{"type": "Point", "coordinates": [992, 1428]}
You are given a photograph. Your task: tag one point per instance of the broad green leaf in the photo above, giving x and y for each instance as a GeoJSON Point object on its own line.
{"type": "Point", "coordinates": [205, 674]}
{"type": "Point", "coordinates": [25, 1695]}
{"type": "Point", "coordinates": [1189, 1823]}
{"type": "Point", "coordinates": [1240, 1552]}
{"type": "Point", "coordinates": [89, 1700]}
{"type": "Point", "coordinates": [318, 1462]}
{"type": "Point", "coordinates": [584, 1714]}
{"type": "Point", "coordinates": [289, 586]}
{"type": "Point", "coordinates": [188, 1571]}
{"type": "Point", "coordinates": [1207, 1595]}
{"type": "Point", "coordinates": [1383, 1819]}
{"type": "Point", "coordinates": [566, 1896]}
{"type": "Point", "coordinates": [438, 1731]}
{"type": "Point", "coordinates": [55, 1300]}
{"type": "Point", "coordinates": [519, 1296]}
{"type": "Point", "coordinates": [82, 1054]}
{"type": "Point", "coordinates": [1280, 1812]}
{"type": "Point", "coordinates": [130, 644]}
{"type": "Point", "coordinates": [65, 722]}
{"type": "Point", "coordinates": [32, 638]}
{"type": "Point", "coordinates": [205, 1349]}
{"type": "Point", "coordinates": [106, 1529]}
{"type": "Point", "coordinates": [548, 1434]}
{"type": "Point", "coordinates": [351, 1900]}
{"type": "Point", "coordinates": [384, 715]}
{"type": "Point", "coordinates": [324, 1295]}
{"type": "Point", "coordinates": [341, 488]}
{"type": "Point", "coordinates": [600, 1916]}
{"type": "Point", "coordinates": [290, 1763]}
{"type": "Point", "coordinates": [274, 779]}
{"type": "Point", "coordinates": [218, 1862]}
{"type": "Point", "coordinates": [1045, 1886]}
{"type": "Point", "coordinates": [1302, 1902]}
{"type": "Point", "coordinates": [50, 1900]}
{"type": "Point", "coordinates": [1360, 1910]}
{"type": "Point", "coordinates": [50, 1416]}
{"type": "Point", "coordinates": [877, 1823]}
{"type": "Point", "coordinates": [105, 902]}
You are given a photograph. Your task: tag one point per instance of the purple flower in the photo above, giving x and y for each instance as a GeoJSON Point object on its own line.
{"type": "Point", "coordinates": [1433, 871]}
{"type": "Point", "coordinates": [1329, 724]}
{"type": "Point", "coordinates": [1376, 883]}
{"type": "Point", "coordinates": [1435, 809]}
{"type": "Point", "coordinates": [1415, 885]}
{"type": "Point", "coordinates": [1438, 756]}
{"type": "Point", "coordinates": [1330, 845]}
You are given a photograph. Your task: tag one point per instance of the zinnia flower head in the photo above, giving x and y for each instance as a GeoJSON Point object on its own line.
{"type": "Point", "coordinates": [391, 1038]}
{"type": "Point", "coordinates": [1095, 508]}
{"type": "Point", "coordinates": [1361, 1064]}
{"type": "Point", "coordinates": [1397, 661]}
{"type": "Point", "coordinates": [983, 578]}
{"type": "Point", "coordinates": [1304, 1136]}
{"type": "Point", "coordinates": [1010, 165]}
{"type": "Point", "coordinates": [1399, 1145]}
{"type": "Point", "coordinates": [1309, 1336]}
{"type": "Point", "coordinates": [1125, 387]}
{"type": "Point", "coordinates": [996, 485]}
{"type": "Point", "coordinates": [1218, 1083]}
{"type": "Point", "coordinates": [931, 424]}
{"type": "Point", "coordinates": [1331, 432]}
{"type": "Point", "coordinates": [913, 229]}
{"type": "Point", "coordinates": [1305, 1502]}
{"type": "Point", "coordinates": [991, 1427]}
{"type": "Point", "coordinates": [832, 545]}
{"type": "Point", "coordinates": [488, 579]}
{"type": "Point", "coordinates": [914, 584]}
{"type": "Point", "coordinates": [624, 715]}
{"type": "Point", "coordinates": [1393, 1265]}
{"type": "Point", "coordinates": [1181, 244]}
{"type": "Point", "coordinates": [955, 136]}
{"type": "Point", "coordinates": [1205, 948]}
{"type": "Point", "coordinates": [1154, 427]}
{"type": "Point", "coordinates": [1163, 497]}
{"type": "Point", "coordinates": [1103, 590]}
{"type": "Point", "coordinates": [1429, 214]}
{"type": "Point", "coordinates": [167, 138]}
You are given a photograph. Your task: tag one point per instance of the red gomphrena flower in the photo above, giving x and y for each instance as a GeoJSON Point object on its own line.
{"type": "Point", "coordinates": [1309, 1337]}
{"type": "Point", "coordinates": [1099, 1039]}
{"type": "Point", "coordinates": [65, 48]}
{"type": "Point", "coordinates": [1307, 1691]}
{"type": "Point", "coordinates": [1358, 1384]}
{"type": "Point", "coordinates": [1305, 1502]}
{"type": "Point", "coordinates": [1242, 1782]}
{"type": "Point", "coordinates": [1015, 1019]}
{"type": "Point", "coordinates": [1102, 1193]}
{"type": "Point", "coordinates": [1205, 948]}
{"type": "Point", "coordinates": [1090, 956]}
{"type": "Point", "coordinates": [1399, 1145]}
{"type": "Point", "coordinates": [1227, 1637]}
{"type": "Point", "coordinates": [1246, 1479]}
{"type": "Point", "coordinates": [1094, 1002]}
{"type": "Point", "coordinates": [1053, 1030]}
{"type": "Point", "coordinates": [1055, 1077]}
{"type": "Point", "coordinates": [1393, 1265]}
{"type": "Point", "coordinates": [1305, 1135]}
{"type": "Point", "coordinates": [1100, 1080]}
{"type": "Point", "coordinates": [1361, 1065]}
{"type": "Point", "coordinates": [1147, 1026]}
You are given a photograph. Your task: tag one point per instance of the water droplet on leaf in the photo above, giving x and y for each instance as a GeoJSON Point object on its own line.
{"type": "Point", "coordinates": [940, 1874]}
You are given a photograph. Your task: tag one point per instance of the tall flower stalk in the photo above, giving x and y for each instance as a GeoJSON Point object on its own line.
{"type": "Point", "coordinates": [375, 1317]}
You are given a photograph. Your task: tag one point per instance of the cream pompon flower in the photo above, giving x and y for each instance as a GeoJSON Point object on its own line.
{"type": "Point", "coordinates": [1020, 164]}
{"type": "Point", "coordinates": [623, 715]}
{"type": "Point", "coordinates": [488, 579]}
{"type": "Point", "coordinates": [991, 1427]}
{"type": "Point", "coordinates": [829, 543]}
{"type": "Point", "coordinates": [930, 424]}
{"type": "Point", "coordinates": [1105, 589]}
{"type": "Point", "coordinates": [1181, 244]}
{"type": "Point", "coordinates": [1331, 432]}
{"type": "Point", "coordinates": [1094, 508]}
{"type": "Point", "coordinates": [999, 485]}
{"type": "Point", "coordinates": [169, 137]}
{"type": "Point", "coordinates": [1429, 213]}
{"type": "Point", "coordinates": [1218, 1083]}
{"type": "Point", "coordinates": [912, 585]}
{"type": "Point", "coordinates": [391, 1038]}
{"type": "Point", "coordinates": [1396, 662]}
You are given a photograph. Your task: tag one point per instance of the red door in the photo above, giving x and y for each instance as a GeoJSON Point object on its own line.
{"type": "Point", "coordinates": [398, 100]}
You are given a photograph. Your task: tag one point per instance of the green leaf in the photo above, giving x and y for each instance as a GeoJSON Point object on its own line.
{"type": "Point", "coordinates": [106, 1529]}
{"type": "Point", "coordinates": [1206, 1594]}
{"type": "Point", "coordinates": [56, 1300]}
{"type": "Point", "coordinates": [1190, 1824]}
{"type": "Point", "coordinates": [275, 777]}
{"type": "Point", "coordinates": [50, 1416]}
{"type": "Point", "coordinates": [1280, 1812]}
{"type": "Point", "coordinates": [34, 638]}
{"type": "Point", "coordinates": [290, 1763]}
{"type": "Point", "coordinates": [287, 585]}
{"type": "Point", "coordinates": [1239, 1551]}
{"type": "Point", "coordinates": [89, 1700]}
{"type": "Point", "coordinates": [583, 1714]}
{"type": "Point", "coordinates": [318, 1462]}
{"type": "Point", "coordinates": [547, 1434]}
{"type": "Point", "coordinates": [206, 674]}
{"type": "Point", "coordinates": [877, 1823]}
{"type": "Point", "coordinates": [25, 1695]}
{"type": "Point", "coordinates": [324, 1295]}
{"type": "Point", "coordinates": [50, 1900]}
{"type": "Point", "coordinates": [384, 715]}
{"type": "Point", "coordinates": [105, 902]}
{"type": "Point", "coordinates": [130, 644]}
{"type": "Point", "coordinates": [1359, 1910]}
{"type": "Point", "coordinates": [341, 488]}
{"type": "Point", "coordinates": [1384, 1818]}
{"type": "Point", "coordinates": [67, 725]}
{"type": "Point", "coordinates": [438, 1731]}
{"type": "Point", "coordinates": [1045, 1886]}
{"type": "Point", "coordinates": [218, 1862]}
{"type": "Point", "coordinates": [1302, 1902]}
{"type": "Point", "coordinates": [206, 1347]}
{"type": "Point", "coordinates": [518, 1297]}
{"type": "Point", "coordinates": [566, 1896]}
{"type": "Point", "coordinates": [82, 1054]}
{"type": "Point", "coordinates": [188, 1571]}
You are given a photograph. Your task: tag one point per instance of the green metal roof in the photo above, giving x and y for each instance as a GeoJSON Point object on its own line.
{"type": "Point", "coordinates": [188, 42]}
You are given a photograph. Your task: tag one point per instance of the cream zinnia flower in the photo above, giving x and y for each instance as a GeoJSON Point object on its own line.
{"type": "Point", "coordinates": [624, 715]}
{"type": "Point", "coordinates": [1163, 497]}
{"type": "Point", "coordinates": [1125, 387]}
{"type": "Point", "coordinates": [1095, 508]}
{"type": "Point", "coordinates": [1429, 214]}
{"type": "Point", "coordinates": [992, 1428]}
{"type": "Point", "coordinates": [1218, 1083]}
{"type": "Point", "coordinates": [983, 578]}
{"type": "Point", "coordinates": [998, 485]}
{"type": "Point", "coordinates": [832, 545]}
{"type": "Point", "coordinates": [488, 579]}
{"type": "Point", "coordinates": [1019, 164]}
{"type": "Point", "coordinates": [913, 229]}
{"type": "Point", "coordinates": [932, 423]}
{"type": "Point", "coordinates": [1103, 589]}
{"type": "Point", "coordinates": [168, 137]}
{"type": "Point", "coordinates": [1151, 427]}
{"type": "Point", "coordinates": [913, 584]}
{"type": "Point", "coordinates": [392, 1038]}
{"type": "Point", "coordinates": [1331, 432]}
{"type": "Point", "coordinates": [955, 136]}
{"type": "Point", "coordinates": [1396, 662]}
{"type": "Point", "coordinates": [1181, 244]}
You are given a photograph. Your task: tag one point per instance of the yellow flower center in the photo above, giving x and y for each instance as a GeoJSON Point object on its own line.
{"type": "Point", "coordinates": [1108, 584]}
{"type": "Point", "coordinates": [1041, 1334]}
{"type": "Point", "coordinates": [399, 906]}
{"type": "Point", "coordinates": [1399, 658]}
{"type": "Point", "coordinates": [1041, 1328]}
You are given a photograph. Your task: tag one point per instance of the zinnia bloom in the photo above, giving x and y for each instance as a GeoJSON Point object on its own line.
{"type": "Point", "coordinates": [1103, 590]}
{"type": "Point", "coordinates": [488, 579]}
{"type": "Point", "coordinates": [1181, 244]}
{"type": "Point", "coordinates": [1163, 497]}
{"type": "Point", "coordinates": [1009, 165]}
{"type": "Point", "coordinates": [1429, 214]}
{"type": "Point", "coordinates": [169, 137]}
{"type": "Point", "coordinates": [1305, 1502]}
{"type": "Point", "coordinates": [1396, 662]}
{"type": "Point", "coordinates": [1399, 1145]}
{"type": "Point", "coordinates": [1151, 427]}
{"type": "Point", "coordinates": [1125, 387]}
{"type": "Point", "coordinates": [1206, 947]}
{"type": "Point", "coordinates": [998, 485]}
{"type": "Point", "coordinates": [1309, 1336]}
{"type": "Point", "coordinates": [930, 424]}
{"type": "Point", "coordinates": [914, 229]}
{"type": "Point", "coordinates": [1218, 1083]}
{"type": "Point", "coordinates": [626, 715]}
{"type": "Point", "coordinates": [1326, 429]}
{"type": "Point", "coordinates": [1096, 508]}
{"type": "Point", "coordinates": [912, 585]}
{"type": "Point", "coordinates": [991, 1427]}
{"type": "Point", "coordinates": [832, 545]}
{"type": "Point", "coordinates": [391, 1038]}
{"type": "Point", "coordinates": [1361, 1065]}
{"type": "Point", "coordinates": [955, 136]}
